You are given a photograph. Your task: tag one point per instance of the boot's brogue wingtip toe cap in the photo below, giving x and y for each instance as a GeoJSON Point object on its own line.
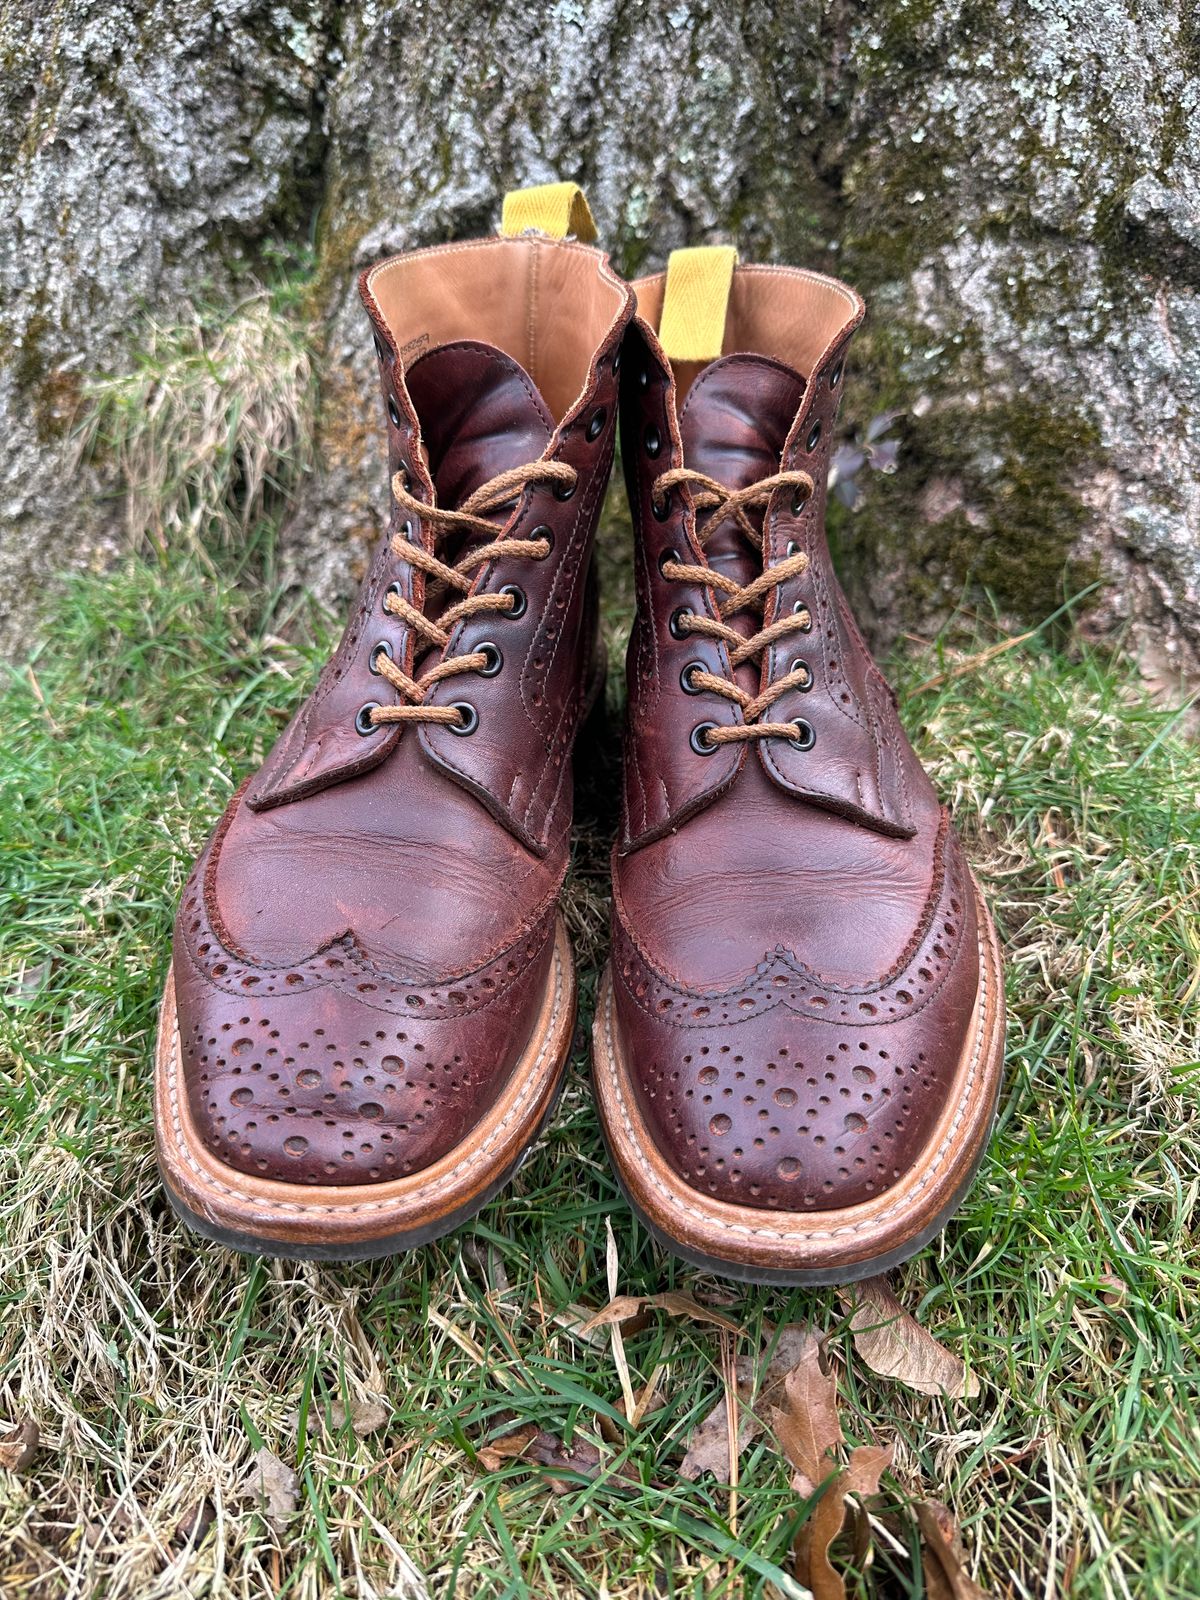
{"type": "Point", "coordinates": [315, 1084]}
{"type": "Point", "coordinates": [359, 1100]}
{"type": "Point", "coordinates": [800, 1124]}
{"type": "Point", "coordinates": [758, 1097]}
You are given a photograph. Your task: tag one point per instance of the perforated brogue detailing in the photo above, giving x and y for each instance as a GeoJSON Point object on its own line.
{"type": "Point", "coordinates": [339, 1092]}
{"type": "Point", "coordinates": [335, 1072]}
{"type": "Point", "coordinates": [794, 1132]}
{"type": "Point", "coordinates": [790, 1093]}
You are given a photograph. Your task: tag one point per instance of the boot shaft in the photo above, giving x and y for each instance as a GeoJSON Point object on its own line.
{"type": "Point", "coordinates": [758, 402]}
{"type": "Point", "coordinates": [493, 355]}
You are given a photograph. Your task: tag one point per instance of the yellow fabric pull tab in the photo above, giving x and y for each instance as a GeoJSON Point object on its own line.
{"type": "Point", "coordinates": [696, 298]}
{"type": "Point", "coordinates": [556, 209]}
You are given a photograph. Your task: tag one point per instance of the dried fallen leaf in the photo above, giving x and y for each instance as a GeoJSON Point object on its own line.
{"type": "Point", "coordinates": [860, 1482]}
{"type": "Point", "coordinates": [786, 1349]}
{"type": "Point", "coordinates": [493, 1456]}
{"type": "Point", "coordinates": [18, 1447]}
{"type": "Point", "coordinates": [627, 1306]}
{"type": "Point", "coordinates": [942, 1555]}
{"type": "Point", "coordinates": [365, 1415]}
{"type": "Point", "coordinates": [194, 1524]}
{"type": "Point", "coordinates": [116, 1522]}
{"type": "Point", "coordinates": [832, 1514]}
{"type": "Point", "coordinates": [273, 1483]}
{"type": "Point", "coordinates": [708, 1443]}
{"type": "Point", "coordinates": [895, 1346]}
{"type": "Point", "coordinates": [813, 1566]}
{"type": "Point", "coordinates": [868, 1463]}
{"type": "Point", "coordinates": [535, 1445]}
{"type": "Point", "coordinates": [1113, 1290]}
{"type": "Point", "coordinates": [575, 1319]}
{"type": "Point", "coordinates": [582, 1458]}
{"type": "Point", "coordinates": [806, 1422]}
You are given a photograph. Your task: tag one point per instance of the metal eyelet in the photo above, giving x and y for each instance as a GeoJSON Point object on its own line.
{"type": "Point", "coordinates": [799, 499]}
{"type": "Point", "coordinates": [362, 722]}
{"type": "Point", "coordinates": [393, 411]}
{"type": "Point", "coordinates": [380, 347]}
{"type": "Point", "coordinates": [469, 715]}
{"type": "Point", "coordinates": [404, 473]}
{"type": "Point", "coordinates": [676, 626]}
{"type": "Point", "coordinates": [835, 377]}
{"type": "Point", "coordinates": [397, 589]}
{"type": "Point", "coordinates": [661, 511]}
{"type": "Point", "coordinates": [699, 740]}
{"type": "Point", "coordinates": [804, 738]}
{"type": "Point", "coordinates": [520, 603]}
{"type": "Point", "coordinates": [596, 425]}
{"type": "Point", "coordinates": [791, 548]}
{"type": "Point", "coordinates": [383, 648]}
{"type": "Point", "coordinates": [814, 435]}
{"type": "Point", "coordinates": [685, 677]}
{"type": "Point", "coordinates": [494, 658]}
{"type": "Point", "coordinates": [665, 560]}
{"type": "Point", "coordinates": [652, 440]}
{"type": "Point", "coordinates": [564, 491]}
{"type": "Point", "coordinates": [800, 665]}
{"type": "Point", "coordinates": [543, 532]}
{"type": "Point", "coordinates": [797, 609]}
{"type": "Point", "coordinates": [616, 362]}
{"type": "Point", "coordinates": [644, 378]}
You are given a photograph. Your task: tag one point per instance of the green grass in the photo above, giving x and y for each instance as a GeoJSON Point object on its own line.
{"type": "Point", "coordinates": [156, 1365]}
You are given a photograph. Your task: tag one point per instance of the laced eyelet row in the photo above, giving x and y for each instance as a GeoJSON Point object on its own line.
{"type": "Point", "coordinates": [510, 601]}
{"type": "Point", "coordinates": [468, 718]}
{"type": "Point", "coordinates": [804, 737]}
{"type": "Point", "coordinates": [695, 677]}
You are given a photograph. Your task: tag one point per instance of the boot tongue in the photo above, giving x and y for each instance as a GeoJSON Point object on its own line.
{"type": "Point", "coordinates": [480, 415]}
{"type": "Point", "coordinates": [734, 425]}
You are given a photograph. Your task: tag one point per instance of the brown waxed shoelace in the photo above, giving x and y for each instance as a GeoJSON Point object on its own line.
{"type": "Point", "coordinates": [471, 517]}
{"type": "Point", "coordinates": [709, 494]}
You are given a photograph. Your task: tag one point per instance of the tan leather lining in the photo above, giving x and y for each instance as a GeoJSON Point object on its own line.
{"type": "Point", "coordinates": [784, 312]}
{"type": "Point", "coordinates": [547, 303]}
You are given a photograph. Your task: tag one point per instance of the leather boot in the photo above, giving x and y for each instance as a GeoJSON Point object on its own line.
{"type": "Point", "coordinates": [371, 995]}
{"type": "Point", "coordinates": [799, 1041]}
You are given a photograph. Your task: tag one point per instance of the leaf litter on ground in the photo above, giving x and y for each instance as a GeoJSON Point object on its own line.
{"type": "Point", "coordinates": [894, 1345]}
{"type": "Point", "coordinates": [275, 1486]}
{"type": "Point", "coordinates": [790, 1392]}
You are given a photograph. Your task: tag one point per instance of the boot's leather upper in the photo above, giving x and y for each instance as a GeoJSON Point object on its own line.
{"type": "Point", "coordinates": [795, 955]}
{"type": "Point", "coordinates": [365, 940]}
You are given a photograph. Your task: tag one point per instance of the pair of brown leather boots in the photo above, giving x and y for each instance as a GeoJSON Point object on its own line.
{"type": "Point", "coordinates": [798, 1042]}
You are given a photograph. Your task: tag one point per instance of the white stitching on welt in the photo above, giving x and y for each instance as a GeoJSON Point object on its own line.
{"type": "Point", "coordinates": [303, 1210]}
{"type": "Point", "coordinates": [793, 1235]}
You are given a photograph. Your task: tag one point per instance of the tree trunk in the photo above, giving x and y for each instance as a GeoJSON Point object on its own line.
{"type": "Point", "coordinates": [1015, 188]}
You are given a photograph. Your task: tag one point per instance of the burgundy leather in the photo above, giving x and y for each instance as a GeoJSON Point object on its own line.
{"type": "Point", "coordinates": [364, 943]}
{"type": "Point", "coordinates": [795, 958]}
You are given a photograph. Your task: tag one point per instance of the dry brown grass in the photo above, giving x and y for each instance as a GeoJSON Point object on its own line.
{"type": "Point", "coordinates": [213, 424]}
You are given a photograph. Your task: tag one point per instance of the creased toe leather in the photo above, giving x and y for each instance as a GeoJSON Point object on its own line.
{"type": "Point", "coordinates": [334, 1071]}
{"type": "Point", "coordinates": [790, 1091]}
